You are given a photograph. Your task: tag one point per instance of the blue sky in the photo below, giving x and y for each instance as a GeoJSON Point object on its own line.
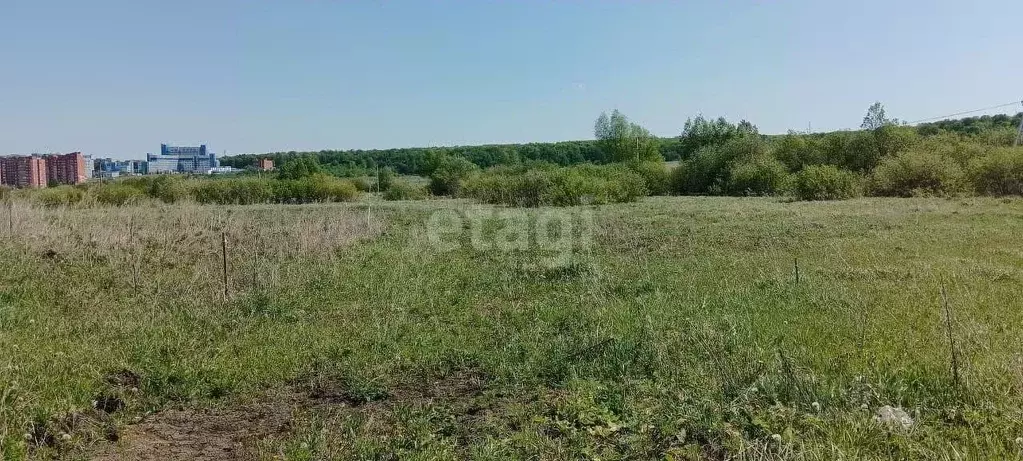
{"type": "Point", "coordinates": [120, 77]}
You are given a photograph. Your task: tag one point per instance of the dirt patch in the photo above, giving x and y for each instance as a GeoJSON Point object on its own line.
{"type": "Point", "coordinates": [211, 434]}
{"type": "Point", "coordinates": [123, 378]}
{"type": "Point", "coordinates": [234, 432]}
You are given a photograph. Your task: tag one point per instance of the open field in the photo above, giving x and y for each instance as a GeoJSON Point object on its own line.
{"type": "Point", "coordinates": [673, 327]}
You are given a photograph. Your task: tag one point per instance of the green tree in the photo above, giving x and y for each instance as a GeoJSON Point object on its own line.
{"type": "Point", "coordinates": [699, 132]}
{"type": "Point", "coordinates": [448, 174]}
{"type": "Point", "coordinates": [876, 117]}
{"type": "Point", "coordinates": [385, 177]}
{"type": "Point", "coordinates": [298, 168]}
{"type": "Point", "coordinates": [624, 141]}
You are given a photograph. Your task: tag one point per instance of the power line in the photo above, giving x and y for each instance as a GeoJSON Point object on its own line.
{"type": "Point", "coordinates": [963, 113]}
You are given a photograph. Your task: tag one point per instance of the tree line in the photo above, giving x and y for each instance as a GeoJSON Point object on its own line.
{"type": "Point", "coordinates": [717, 157]}
{"type": "Point", "coordinates": [697, 133]}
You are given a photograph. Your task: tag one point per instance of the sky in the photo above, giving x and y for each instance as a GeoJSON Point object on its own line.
{"type": "Point", "coordinates": [118, 78]}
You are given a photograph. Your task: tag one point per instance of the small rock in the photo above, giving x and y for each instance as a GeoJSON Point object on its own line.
{"type": "Point", "coordinates": [65, 436]}
{"type": "Point", "coordinates": [776, 437]}
{"type": "Point", "coordinates": [816, 406]}
{"type": "Point", "coordinates": [893, 417]}
{"type": "Point", "coordinates": [1019, 440]}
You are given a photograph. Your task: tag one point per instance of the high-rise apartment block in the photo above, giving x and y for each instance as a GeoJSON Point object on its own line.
{"type": "Point", "coordinates": [23, 171]}
{"type": "Point", "coordinates": [66, 168]}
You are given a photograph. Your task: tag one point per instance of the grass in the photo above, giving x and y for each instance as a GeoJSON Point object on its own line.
{"type": "Point", "coordinates": [679, 333]}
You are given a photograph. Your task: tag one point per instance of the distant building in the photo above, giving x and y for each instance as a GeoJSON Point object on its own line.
{"type": "Point", "coordinates": [23, 171]}
{"type": "Point", "coordinates": [264, 164]}
{"type": "Point", "coordinates": [178, 159]}
{"type": "Point", "coordinates": [90, 166]}
{"type": "Point", "coordinates": [139, 166]}
{"type": "Point", "coordinates": [223, 170]}
{"type": "Point", "coordinates": [65, 168]}
{"type": "Point", "coordinates": [109, 168]}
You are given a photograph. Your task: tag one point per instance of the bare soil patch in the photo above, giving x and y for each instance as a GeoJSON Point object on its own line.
{"type": "Point", "coordinates": [233, 432]}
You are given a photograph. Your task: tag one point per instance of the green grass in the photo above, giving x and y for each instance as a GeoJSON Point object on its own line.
{"type": "Point", "coordinates": [680, 333]}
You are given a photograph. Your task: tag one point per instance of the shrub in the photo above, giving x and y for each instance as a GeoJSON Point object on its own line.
{"type": "Point", "coordinates": [385, 177]}
{"type": "Point", "coordinates": [917, 172]}
{"type": "Point", "coordinates": [248, 191]}
{"type": "Point", "coordinates": [447, 177]}
{"type": "Point", "coordinates": [316, 188]}
{"type": "Point", "coordinates": [403, 190]}
{"type": "Point", "coordinates": [1000, 172]}
{"type": "Point", "coordinates": [759, 176]}
{"type": "Point", "coordinates": [655, 176]}
{"type": "Point", "coordinates": [825, 182]}
{"type": "Point", "coordinates": [708, 171]}
{"type": "Point", "coordinates": [118, 194]}
{"type": "Point", "coordinates": [566, 186]}
{"type": "Point", "coordinates": [233, 191]}
{"type": "Point", "coordinates": [325, 188]}
{"type": "Point", "coordinates": [363, 184]}
{"type": "Point", "coordinates": [850, 150]}
{"type": "Point", "coordinates": [797, 151]}
{"type": "Point", "coordinates": [954, 147]}
{"type": "Point", "coordinates": [299, 168]}
{"type": "Point", "coordinates": [166, 188]}
{"type": "Point", "coordinates": [892, 139]}
{"type": "Point", "coordinates": [60, 196]}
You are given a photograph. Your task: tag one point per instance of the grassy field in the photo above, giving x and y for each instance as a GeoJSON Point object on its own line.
{"type": "Point", "coordinates": [671, 328]}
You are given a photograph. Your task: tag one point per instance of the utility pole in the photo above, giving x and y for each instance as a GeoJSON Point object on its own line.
{"type": "Point", "coordinates": [1019, 133]}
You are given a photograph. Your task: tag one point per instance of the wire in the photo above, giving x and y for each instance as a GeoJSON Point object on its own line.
{"type": "Point", "coordinates": [943, 117]}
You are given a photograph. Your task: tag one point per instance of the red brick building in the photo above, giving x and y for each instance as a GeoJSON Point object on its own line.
{"type": "Point", "coordinates": [265, 164]}
{"type": "Point", "coordinates": [66, 168]}
{"type": "Point", "coordinates": [23, 171]}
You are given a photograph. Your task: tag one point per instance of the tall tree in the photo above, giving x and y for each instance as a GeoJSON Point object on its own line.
{"type": "Point", "coordinates": [624, 141]}
{"type": "Point", "coordinates": [700, 132]}
{"type": "Point", "coordinates": [876, 118]}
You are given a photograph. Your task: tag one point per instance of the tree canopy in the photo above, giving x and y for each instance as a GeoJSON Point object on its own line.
{"type": "Point", "coordinates": [624, 141]}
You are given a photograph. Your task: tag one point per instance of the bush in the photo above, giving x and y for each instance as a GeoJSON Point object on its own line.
{"type": "Point", "coordinates": [403, 190]}
{"type": "Point", "coordinates": [447, 176]}
{"type": "Point", "coordinates": [117, 194]}
{"type": "Point", "coordinates": [1000, 172]}
{"type": "Point", "coordinates": [363, 184]}
{"type": "Point", "coordinates": [655, 176]}
{"type": "Point", "coordinates": [825, 182]}
{"type": "Point", "coordinates": [385, 177]}
{"type": "Point", "coordinates": [850, 150]}
{"type": "Point", "coordinates": [248, 191]}
{"type": "Point", "coordinates": [566, 186]}
{"type": "Point", "coordinates": [760, 176]}
{"type": "Point", "coordinates": [60, 196]}
{"type": "Point", "coordinates": [299, 168]}
{"type": "Point", "coordinates": [797, 151]}
{"type": "Point", "coordinates": [708, 171]}
{"type": "Point", "coordinates": [233, 191]}
{"type": "Point", "coordinates": [166, 188]}
{"type": "Point", "coordinates": [325, 188]}
{"type": "Point", "coordinates": [917, 172]}
{"type": "Point", "coordinates": [316, 188]}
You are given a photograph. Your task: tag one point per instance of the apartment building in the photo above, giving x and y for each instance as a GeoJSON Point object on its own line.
{"type": "Point", "coordinates": [23, 171]}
